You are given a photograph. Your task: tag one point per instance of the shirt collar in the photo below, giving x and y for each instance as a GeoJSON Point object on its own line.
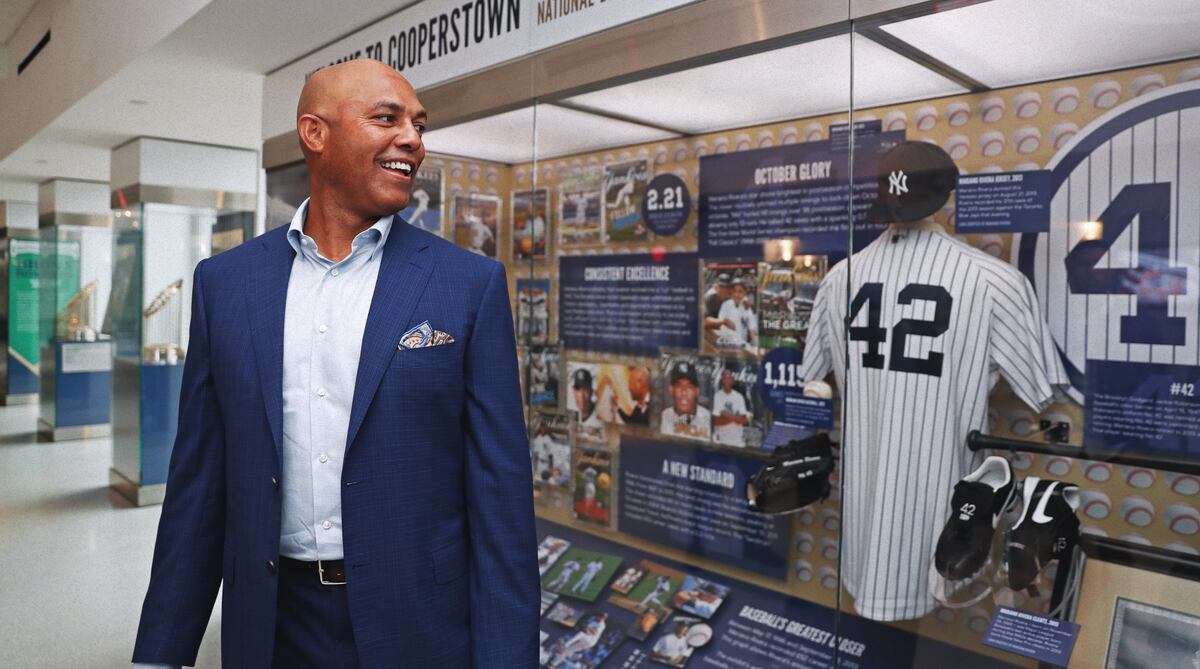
{"type": "Point", "coordinates": [379, 231]}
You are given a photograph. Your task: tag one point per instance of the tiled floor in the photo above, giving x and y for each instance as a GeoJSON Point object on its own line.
{"type": "Point", "coordinates": [74, 558]}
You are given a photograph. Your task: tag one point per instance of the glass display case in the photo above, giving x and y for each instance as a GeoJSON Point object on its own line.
{"type": "Point", "coordinates": [76, 354]}
{"type": "Point", "coordinates": [19, 265]}
{"type": "Point", "coordinates": [155, 249]}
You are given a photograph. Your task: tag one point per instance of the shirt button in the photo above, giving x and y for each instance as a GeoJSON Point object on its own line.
{"type": "Point", "coordinates": [324, 458]}
{"type": "Point", "coordinates": [321, 392]}
{"type": "Point", "coordinates": [327, 524]}
{"type": "Point", "coordinates": [333, 272]}
{"type": "Point", "coordinates": [323, 328]}
{"type": "Point", "coordinates": [274, 482]}
{"type": "Point", "coordinates": [271, 566]}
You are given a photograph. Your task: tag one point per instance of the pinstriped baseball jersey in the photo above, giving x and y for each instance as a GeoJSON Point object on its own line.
{"type": "Point", "coordinates": [932, 323]}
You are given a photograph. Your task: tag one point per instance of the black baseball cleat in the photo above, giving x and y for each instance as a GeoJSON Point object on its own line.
{"type": "Point", "coordinates": [1046, 530]}
{"type": "Point", "coordinates": [979, 500]}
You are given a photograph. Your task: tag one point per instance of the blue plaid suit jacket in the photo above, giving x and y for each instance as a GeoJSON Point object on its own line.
{"type": "Point", "coordinates": [436, 499]}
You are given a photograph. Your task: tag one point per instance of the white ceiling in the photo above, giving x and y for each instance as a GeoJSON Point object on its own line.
{"type": "Point", "coordinates": [12, 12]}
{"type": "Point", "coordinates": [201, 84]}
{"type": "Point", "coordinates": [794, 82]}
{"type": "Point", "coordinates": [509, 137]}
{"type": "Point", "coordinates": [1009, 42]}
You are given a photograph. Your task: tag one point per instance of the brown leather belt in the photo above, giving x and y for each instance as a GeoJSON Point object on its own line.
{"type": "Point", "coordinates": [329, 572]}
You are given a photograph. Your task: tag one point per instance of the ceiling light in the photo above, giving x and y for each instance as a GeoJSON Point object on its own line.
{"type": "Point", "coordinates": [138, 102]}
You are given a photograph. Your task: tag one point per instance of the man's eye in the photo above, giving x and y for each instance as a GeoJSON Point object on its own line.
{"type": "Point", "coordinates": [420, 128]}
{"type": "Point", "coordinates": [388, 118]}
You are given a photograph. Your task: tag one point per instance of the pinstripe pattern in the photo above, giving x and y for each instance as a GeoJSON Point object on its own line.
{"type": "Point", "coordinates": [437, 506]}
{"type": "Point", "coordinates": [904, 437]}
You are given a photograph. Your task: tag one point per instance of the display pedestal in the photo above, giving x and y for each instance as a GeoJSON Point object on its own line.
{"type": "Point", "coordinates": [145, 429]}
{"type": "Point", "coordinates": [76, 403]}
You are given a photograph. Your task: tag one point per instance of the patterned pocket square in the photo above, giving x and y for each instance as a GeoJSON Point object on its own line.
{"type": "Point", "coordinates": [423, 336]}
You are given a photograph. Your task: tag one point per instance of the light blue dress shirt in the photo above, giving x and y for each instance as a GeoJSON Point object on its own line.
{"type": "Point", "coordinates": [327, 306]}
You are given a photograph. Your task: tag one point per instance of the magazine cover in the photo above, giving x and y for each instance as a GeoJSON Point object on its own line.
{"type": "Point", "coordinates": [735, 419]}
{"type": "Point", "coordinates": [625, 394]}
{"type": "Point", "coordinates": [728, 317]}
{"type": "Point", "coordinates": [624, 185]}
{"type": "Point", "coordinates": [425, 202]}
{"type": "Point", "coordinates": [476, 220]}
{"type": "Point", "coordinates": [542, 381]}
{"type": "Point", "coordinates": [550, 453]}
{"type": "Point", "coordinates": [687, 395]}
{"type": "Point", "coordinates": [531, 222]}
{"type": "Point", "coordinates": [785, 298]}
{"type": "Point", "coordinates": [594, 486]}
{"type": "Point", "coordinates": [533, 310]}
{"type": "Point", "coordinates": [579, 207]}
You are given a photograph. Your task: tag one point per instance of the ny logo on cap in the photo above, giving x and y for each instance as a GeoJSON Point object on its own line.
{"type": "Point", "coordinates": [897, 183]}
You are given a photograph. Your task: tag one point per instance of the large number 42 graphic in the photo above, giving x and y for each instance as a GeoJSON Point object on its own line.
{"type": "Point", "coordinates": [1152, 281]}
{"type": "Point", "coordinates": [874, 335]}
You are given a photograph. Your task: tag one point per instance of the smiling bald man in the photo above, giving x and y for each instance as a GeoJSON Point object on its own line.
{"type": "Point", "coordinates": [351, 462]}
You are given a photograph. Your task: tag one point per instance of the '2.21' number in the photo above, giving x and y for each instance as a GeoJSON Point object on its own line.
{"type": "Point", "coordinates": [873, 334]}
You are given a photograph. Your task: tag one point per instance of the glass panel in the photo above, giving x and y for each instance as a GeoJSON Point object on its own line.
{"type": "Point", "coordinates": [1016, 338]}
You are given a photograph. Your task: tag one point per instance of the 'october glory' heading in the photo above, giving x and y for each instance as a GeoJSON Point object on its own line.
{"type": "Point", "coordinates": [793, 173]}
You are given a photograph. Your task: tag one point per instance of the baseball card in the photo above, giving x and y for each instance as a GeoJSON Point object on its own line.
{"type": "Point", "coordinates": [425, 203]}
{"type": "Point", "coordinates": [581, 574]}
{"type": "Point", "coordinates": [683, 636]}
{"type": "Point", "coordinates": [786, 290]}
{"type": "Point", "coordinates": [687, 394]}
{"type": "Point", "coordinates": [563, 613]}
{"type": "Point", "coordinates": [476, 220]}
{"type": "Point", "coordinates": [728, 317]}
{"type": "Point", "coordinates": [593, 640]}
{"type": "Point", "coordinates": [645, 624]}
{"type": "Point", "coordinates": [734, 416]}
{"type": "Point", "coordinates": [550, 452]}
{"type": "Point", "coordinates": [624, 184]}
{"type": "Point", "coordinates": [700, 597]}
{"type": "Point", "coordinates": [533, 310]}
{"type": "Point", "coordinates": [542, 376]}
{"type": "Point", "coordinates": [656, 588]}
{"type": "Point", "coordinates": [629, 579]}
{"type": "Point", "coordinates": [580, 204]}
{"type": "Point", "coordinates": [583, 399]}
{"type": "Point", "coordinates": [624, 394]}
{"type": "Point", "coordinates": [531, 223]}
{"type": "Point", "coordinates": [548, 599]}
{"type": "Point", "coordinates": [594, 486]}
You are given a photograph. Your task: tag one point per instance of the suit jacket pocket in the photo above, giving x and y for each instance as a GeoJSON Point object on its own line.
{"type": "Point", "coordinates": [449, 562]}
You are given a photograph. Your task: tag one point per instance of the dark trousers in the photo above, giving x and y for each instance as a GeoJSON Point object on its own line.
{"type": "Point", "coordinates": [313, 629]}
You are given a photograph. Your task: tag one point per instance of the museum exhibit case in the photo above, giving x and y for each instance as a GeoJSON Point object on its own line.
{"type": "Point", "coordinates": [19, 263]}
{"type": "Point", "coordinates": [74, 279]}
{"type": "Point", "coordinates": [161, 231]}
{"type": "Point", "coordinates": [849, 337]}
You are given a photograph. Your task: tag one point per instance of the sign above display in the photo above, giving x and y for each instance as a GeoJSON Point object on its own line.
{"type": "Point", "coordinates": [437, 40]}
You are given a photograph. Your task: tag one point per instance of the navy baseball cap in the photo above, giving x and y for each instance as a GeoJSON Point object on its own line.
{"type": "Point", "coordinates": [915, 181]}
{"type": "Point", "coordinates": [685, 370]}
{"type": "Point", "coordinates": [582, 378]}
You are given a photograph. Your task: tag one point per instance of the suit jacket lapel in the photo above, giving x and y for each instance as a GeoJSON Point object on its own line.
{"type": "Point", "coordinates": [267, 301]}
{"type": "Point", "coordinates": [403, 273]}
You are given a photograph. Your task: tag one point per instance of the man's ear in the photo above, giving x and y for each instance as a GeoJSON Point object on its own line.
{"type": "Point", "coordinates": [313, 131]}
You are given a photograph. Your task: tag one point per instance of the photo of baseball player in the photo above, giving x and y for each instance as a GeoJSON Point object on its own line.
{"type": "Point", "coordinates": [786, 291]}
{"type": "Point", "coordinates": [624, 184]}
{"type": "Point", "coordinates": [425, 204]}
{"type": "Point", "coordinates": [728, 308]}
{"type": "Point", "coordinates": [580, 204]}
{"type": "Point", "coordinates": [593, 486]}
{"type": "Point", "coordinates": [581, 574]}
{"type": "Point", "coordinates": [656, 588]}
{"type": "Point", "coordinates": [476, 220]}
{"type": "Point", "coordinates": [684, 636]}
{"type": "Point", "coordinates": [593, 641]}
{"type": "Point", "coordinates": [687, 415]}
{"type": "Point", "coordinates": [564, 614]}
{"type": "Point", "coordinates": [644, 625]}
{"type": "Point", "coordinates": [531, 223]}
{"type": "Point", "coordinates": [700, 597]}
{"type": "Point", "coordinates": [733, 415]}
{"type": "Point", "coordinates": [629, 579]}
{"type": "Point", "coordinates": [549, 550]}
{"type": "Point", "coordinates": [533, 310]}
{"type": "Point", "coordinates": [542, 368]}
{"type": "Point", "coordinates": [582, 399]}
{"type": "Point", "coordinates": [623, 394]}
{"type": "Point", "coordinates": [550, 453]}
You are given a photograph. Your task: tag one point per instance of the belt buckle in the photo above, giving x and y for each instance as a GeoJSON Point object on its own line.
{"type": "Point", "coordinates": [321, 574]}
